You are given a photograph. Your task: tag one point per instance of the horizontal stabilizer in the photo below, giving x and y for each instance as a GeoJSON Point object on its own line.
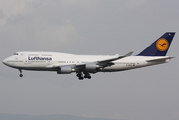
{"type": "Point", "coordinates": [160, 59]}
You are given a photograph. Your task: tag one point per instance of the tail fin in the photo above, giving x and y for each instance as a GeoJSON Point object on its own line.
{"type": "Point", "coordinates": [160, 46]}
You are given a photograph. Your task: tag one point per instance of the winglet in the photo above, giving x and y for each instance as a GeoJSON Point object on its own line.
{"type": "Point", "coordinates": [128, 54]}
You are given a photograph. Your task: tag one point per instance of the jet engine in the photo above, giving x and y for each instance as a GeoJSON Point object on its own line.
{"type": "Point", "coordinates": [91, 67]}
{"type": "Point", "coordinates": [65, 70]}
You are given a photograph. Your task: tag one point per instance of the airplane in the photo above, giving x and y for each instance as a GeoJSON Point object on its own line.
{"type": "Point", "coordinates": [84, 65]}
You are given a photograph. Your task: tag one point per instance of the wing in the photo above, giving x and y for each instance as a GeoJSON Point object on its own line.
{"type": "Point", "coordinates": [87, 67]}
{"type": "Point", "coordinates": [96, 65]}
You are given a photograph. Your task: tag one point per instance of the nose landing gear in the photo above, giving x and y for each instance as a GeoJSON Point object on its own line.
{"type": "Point", "coordinates": [21, 75]}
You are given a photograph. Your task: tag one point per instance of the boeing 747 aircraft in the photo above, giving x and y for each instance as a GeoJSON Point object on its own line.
{"type": "Point", "coordinates": [83, 65]}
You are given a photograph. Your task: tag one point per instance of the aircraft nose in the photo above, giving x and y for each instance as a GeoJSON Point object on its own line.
{"type": "Point", "coordinates": [4, 61]}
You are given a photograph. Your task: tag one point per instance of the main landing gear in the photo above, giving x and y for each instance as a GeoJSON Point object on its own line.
{"type": "Point", "coordinates": [21, 75]}
{"type": "Point", "coordinates": [80, 75]}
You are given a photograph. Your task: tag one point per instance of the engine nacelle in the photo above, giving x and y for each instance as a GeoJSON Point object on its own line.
{"type": "Point", "coordinates": [91, 67]}
{"type": "Point", "coordinates": [65, 70]}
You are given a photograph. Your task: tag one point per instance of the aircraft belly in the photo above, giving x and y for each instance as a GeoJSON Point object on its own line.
{"type": "Point", "coordinates": [36, 68]}
{"type": "Point", "coordinates": [118, 67]}
{"type": "Point", "coordinates": [155, 62]}
{"type": "Point", "coordinates": [124, 66]}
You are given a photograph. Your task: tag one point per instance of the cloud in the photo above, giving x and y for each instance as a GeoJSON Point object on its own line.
{"type": "Point", "coordinates": [87, 4]}
{"type": "Point", "coordinates": [24, 23]}
{"type": "Point", "coordinates": [55, 35]}
{"type": "Point", "coordinates": [12, 8]}
{"type": "Point", "coordinates": [2, 21]}
{"type": "Point", "coordinates": [135, 4]}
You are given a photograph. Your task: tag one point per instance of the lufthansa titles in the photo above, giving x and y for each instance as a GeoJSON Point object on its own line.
{"type": "Point", "coordinates": [40, 58]}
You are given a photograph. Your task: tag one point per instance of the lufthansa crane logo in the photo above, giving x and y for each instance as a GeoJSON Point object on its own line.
{"type": "Point", "coordinates": [162, 44]}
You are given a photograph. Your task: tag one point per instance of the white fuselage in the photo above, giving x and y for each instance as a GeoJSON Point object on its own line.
{"type": "Point", "coordinates": [49, 61]}
{"type": "Point", "coordinates": [83, 65]}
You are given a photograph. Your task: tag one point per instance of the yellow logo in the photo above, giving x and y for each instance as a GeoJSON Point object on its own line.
{"type": "Point", "coordinates": [162, 44]}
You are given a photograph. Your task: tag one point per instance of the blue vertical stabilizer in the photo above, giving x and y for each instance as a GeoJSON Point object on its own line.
{"type": "Point", "coordinates": [160, 46]}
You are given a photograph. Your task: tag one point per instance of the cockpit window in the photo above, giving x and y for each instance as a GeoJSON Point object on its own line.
{"type": "Point", "coordinates": [15, 53]}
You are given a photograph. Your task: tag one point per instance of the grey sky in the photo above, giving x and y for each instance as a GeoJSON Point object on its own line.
{"type": "Point", "coordinates": [90, 27]}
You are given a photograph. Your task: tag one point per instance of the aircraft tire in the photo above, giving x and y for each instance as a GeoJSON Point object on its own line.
{"type": "Point", "coordinates": [21, 75]}
{"type": "Point", "coordinates": [80, 78]}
